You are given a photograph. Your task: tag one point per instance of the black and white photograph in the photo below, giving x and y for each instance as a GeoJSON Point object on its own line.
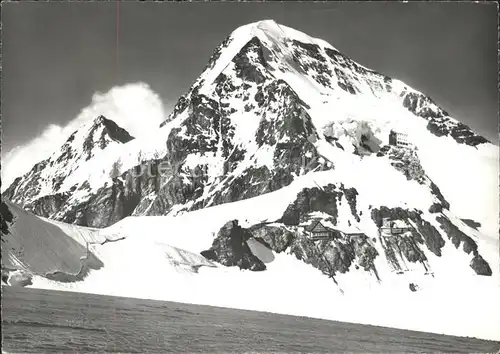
{"type": "Point", "coordinates": [250, 177]}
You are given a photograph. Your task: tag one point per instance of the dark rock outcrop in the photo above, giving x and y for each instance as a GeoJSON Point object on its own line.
{"type": "Point", "coordinates": [404, 160]}
{"type": "Point", "coordinates": [334, 256]}
{"type": "Point", "coordinates": [285, 127]}
{"type": "Point", "coordinates": [6, 218]}
{"type": "Point", "coordinates": [327, 256]}
{"type": "Point", "coordinates": [109, 129]}
{"type": "Point", "coordinates": [310, 200]}
{"type": "Point", "coordinates": [366, 254]}
{"type": "Point", "coordinates": [218, 51]}
{"type": "Point", "coordinates": [231, 249]}
{"type": "Point", "coordinates": [276, 238]}
{"type": "Point", "coordinates": [435, 208]}
{"type": "Point", "coordinates": [439, 122]}
{"type": "Point", "coordinates": [431, 236]}
{"type": "Point", "coordinates": [48, 205]}
{"type": "Point", "coordinates": [350, 195]}
{"type": "Point", "coordinates": [480, 266]}
{"type": "Point", "coordinates": [456, 236]}
{"type": "Point", "coordinates": [109, 205]}
{"type": "Point", "coordinates": [437, 193]}
{"type": "Point", "coordinates": [245, 68]}
{"type": "Point", "coordinates": [5, 277]}
{"type": "Point", "coordinates": [27, 186]}
{"type": "Point", "coordinates": [410, 248]}
{"type": "Point", "coordinates": [472, 223]}
{"type": "Point", "coordinates": [463, 134]}
{"type": "Point", "coordinates": [378, 214]}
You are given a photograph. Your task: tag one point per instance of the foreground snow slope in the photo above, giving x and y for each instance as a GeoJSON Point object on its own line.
{"type": "Point", "coordinates": [33, 245]}
{"type": "Point", "coordinates": [453, 301]}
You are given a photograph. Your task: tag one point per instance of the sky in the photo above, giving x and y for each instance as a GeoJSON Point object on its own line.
{"type": "Point", "coordinates": [61, 57]}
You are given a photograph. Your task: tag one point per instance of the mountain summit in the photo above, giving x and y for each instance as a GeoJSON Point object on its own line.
{"type": "Point", "coordinates": [317, 72]}
{"type": "Point", "coordinates": [44, 183]}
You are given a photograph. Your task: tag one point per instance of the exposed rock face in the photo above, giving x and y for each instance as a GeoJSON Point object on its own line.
{"type": "Point", "coordinates": [5, 277]}
{"type": "Point", "coordinates": [104, 208]}
{"type": "Point", "coordinates": [401, 248]}
{"type": "Point", "coordinates": [230, 248]}
{"type": "Point", "coordinates": [432, 237]}
{"type": "Point", "coordinates": [310, 200]}
{"type": "Point", "coordinates": [202, 129]}
{"type": "Point", "coordinates": [127, 194]}
{"type": "Point", "coordinates": [435, 208]}
{"type": "Point", "coordinates": [40, 190]}
{"type": "Point", "coordinates": [102, 132]}
{"type": "Point", "coordinates": [409, 245]}
{"type": "Point", "coordinates": [472, 223]}
{"type": "Point", "coordinates": [329, 256]}
{"type": "Point", "coordinates": [405, 161]}
{"type": "Point", "coordinates": [456, 236]}
{"type": "Point", "coordinates": [209, 133]}
{"type": "Point", "coordinates": [437, 193]}
{"type": "Point", "coordinates": [422, 106]}
{"type": "Point", "coordinates": [349, 72]}
{"type": "Point", "coordinates": [48, 205]}
{"type": "Point", "coordinates": [6, 218]}
{"type": "Point", "coordinates": [350, 194]}
{"type": "Point", "coordinates": [366, 254]}
{"type": "Point", "coordinates": [439, 122]}
{"type": "Point", "coordinates": [28, 186]}
{"type": "Point", "coordinates": [276, 238]}
{"type": "Point", "coordinates": [480, 266]}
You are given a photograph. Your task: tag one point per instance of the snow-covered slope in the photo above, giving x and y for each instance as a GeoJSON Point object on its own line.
{"type": "Point", "coordinates": [36, 246]}
{"type": "Point", "coordinates": [64, 253]}
{"type": "Point", "coordinates": [42, 190]}
{"type": "Point", "coordinates": [453, 300]}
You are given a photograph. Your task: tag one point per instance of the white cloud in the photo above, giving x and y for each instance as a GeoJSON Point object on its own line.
{"type": "Point", "coordinates": [134, 107]}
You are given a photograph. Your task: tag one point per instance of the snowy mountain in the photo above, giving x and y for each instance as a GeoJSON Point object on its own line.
{"type": "Point", "coordinates": [279, 134]}
{"type": "Point", "coordinates": [40, 190]}
{"type": "Point", "coordinates": [271, 104]}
